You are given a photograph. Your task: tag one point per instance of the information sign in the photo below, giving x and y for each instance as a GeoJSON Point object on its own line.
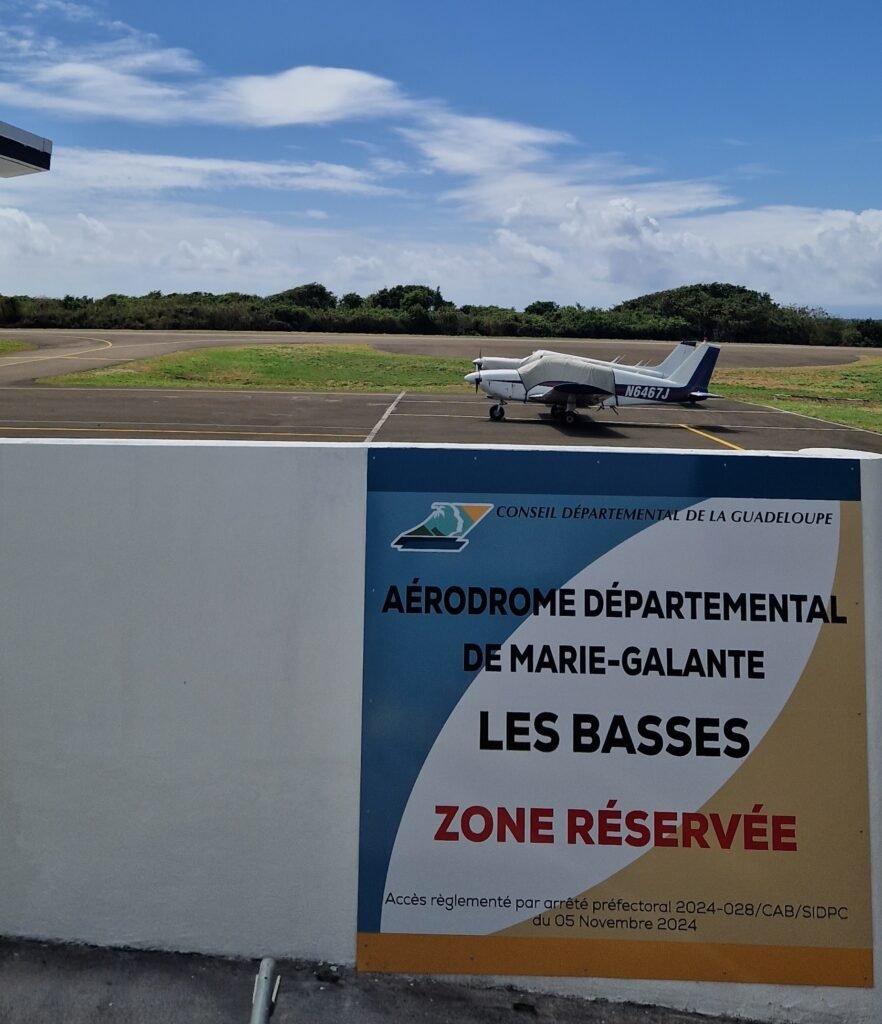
{"type": "Point", "coordinates": [614, 717]}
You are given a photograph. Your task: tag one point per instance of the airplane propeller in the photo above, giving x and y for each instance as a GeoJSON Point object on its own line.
{"type": "Point", "coordinates": [478, 365]}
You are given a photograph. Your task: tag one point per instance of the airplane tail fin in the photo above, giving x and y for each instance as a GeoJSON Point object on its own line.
{"type": "Point", "coordinates": [674, 358]}
{"type": "Point", "coordinates": [695, 372]}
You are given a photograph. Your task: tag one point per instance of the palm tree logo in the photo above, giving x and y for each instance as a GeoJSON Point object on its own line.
{"type": "Point", "coordinates": [444, 528]}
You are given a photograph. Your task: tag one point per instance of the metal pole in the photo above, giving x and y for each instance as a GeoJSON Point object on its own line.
{"type": "Point", "coordinates": [263, 1000]}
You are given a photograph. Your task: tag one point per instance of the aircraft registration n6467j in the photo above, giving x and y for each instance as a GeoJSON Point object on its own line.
{"type": "Point", "coordinates": [567, 383]}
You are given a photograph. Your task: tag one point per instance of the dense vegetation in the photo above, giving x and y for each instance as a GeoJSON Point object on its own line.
{"type": "Point", "coordinates": [719, 312]}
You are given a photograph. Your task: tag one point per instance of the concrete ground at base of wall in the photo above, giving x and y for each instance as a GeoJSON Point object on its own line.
{"type": "Point", "coordinates": [42, 982]}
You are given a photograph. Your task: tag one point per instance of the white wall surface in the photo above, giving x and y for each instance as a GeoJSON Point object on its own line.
{"type": "Point", "coordinates": [180, 679]}
{"type": "Point", "coordinates": [180, 676]}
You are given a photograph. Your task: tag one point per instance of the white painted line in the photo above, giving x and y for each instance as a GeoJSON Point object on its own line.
{"type": "Point", "coordinates": [179, 430]}
{"type": "Point", "coordinates": [453, 416]}
{"type": "Point", "coordinates": [379, 424]}
{"type": "Point", "coordinates": [14, 423]}
{"type": "Point", "coordinates": [817, 419]}
{"type": "Point", "coordinates": [620, 422]}
{"type": "Point", "coordinates": [254, 392]}
{"type": "Point", "coordinates": [35, 358]}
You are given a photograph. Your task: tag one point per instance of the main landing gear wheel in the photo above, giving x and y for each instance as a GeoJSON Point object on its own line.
{"type": "Point", "coordinates": [497, 412]}
{"type": "Point", "coordinates": [557, 412]}
{"type": "Point", "coordinates": [570, 418]}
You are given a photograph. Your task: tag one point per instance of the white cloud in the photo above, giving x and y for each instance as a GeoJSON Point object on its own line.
{"type": "Point", "coordinates": [213, 256]}
{"type": "Point", "coordinates": [165, 61]}
{"type": "Point", "coordinates": [21, 235]}
{"type": "Point", "coordinates": [82, 172]}
{"type": "Point", "coordinates": [479, 145]}
{"type": "Point", "coordinates": [389, 168]}
{"type": "Point", "coordinates": [119, 89]}
{"type": "Point", "coordinates": [536, 257]}
{"type": "Point", "coordinates": [94, 228]}
{"type": "Point", "coordinates": [812, 257]}
{"type": "Point", "coordinates": [129, 77]}
{"type": "Point", "coordinates": [302, 95]}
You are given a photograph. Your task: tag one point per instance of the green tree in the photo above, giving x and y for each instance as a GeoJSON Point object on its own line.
{"type": "Point", "coordinates": [310, 296]}
{"type": "Point", "coordinates": [541, 308]}
{"type": "Point", "coordinates": [402, 296]}
{"type": "Point", "coordinates": [10, 309]}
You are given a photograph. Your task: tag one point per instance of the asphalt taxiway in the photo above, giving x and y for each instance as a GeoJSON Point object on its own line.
{"type": "Point", "coordinates": [33, 410]}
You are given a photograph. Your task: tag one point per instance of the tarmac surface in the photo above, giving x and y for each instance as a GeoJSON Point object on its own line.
{"type": "Point", "coordinates": [80, 984]}
{"type": "Point", "coordinates": [32, 410]}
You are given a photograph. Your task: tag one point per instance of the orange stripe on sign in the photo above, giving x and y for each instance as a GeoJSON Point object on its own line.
{"type": "Point", "coordinates": [476, 512]}
{"type": "Point", "coordinates": [598, 958]}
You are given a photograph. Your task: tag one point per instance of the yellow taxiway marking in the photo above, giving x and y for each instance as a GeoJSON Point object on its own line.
{"type": "Point", "coordinates": [199, 433]}
{"type": "Point", "coordinates": [711, 437]}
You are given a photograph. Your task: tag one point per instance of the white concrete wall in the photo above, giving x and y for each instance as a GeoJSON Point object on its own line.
{"type": "Point", "coordinates": [180, 671]}
{"type": "Point", "coordinates": [180, 674]}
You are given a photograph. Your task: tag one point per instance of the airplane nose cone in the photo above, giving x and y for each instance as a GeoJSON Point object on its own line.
{"type": "Point", "coordinates": [473, 378]}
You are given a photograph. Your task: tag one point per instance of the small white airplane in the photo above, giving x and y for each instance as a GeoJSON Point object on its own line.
{"type": "Point", "coordinates": [566, 383]}
{"type": "Point", "coordinates": [664, 368]}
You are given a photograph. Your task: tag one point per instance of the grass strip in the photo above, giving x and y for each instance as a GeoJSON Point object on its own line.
{"type": "Point", "coordinates": [7, 345]}
{"type": "Point", "coordinates": [281, 367]}
{"type": "Point", "coordinates": [850, 394]}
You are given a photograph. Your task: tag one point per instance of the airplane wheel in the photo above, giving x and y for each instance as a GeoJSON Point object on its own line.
{"type": "Point", "coordinates": [556, 412]}
{"type": "Point", "coordinates": [497, 412]}
{"type": "Point", "coordinates": [570, 418]}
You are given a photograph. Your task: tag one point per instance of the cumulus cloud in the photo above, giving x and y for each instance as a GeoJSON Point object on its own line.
{"type": "Point", "coordinates": [139, 245]}
{"type": "Point", "coordinates": [538, 257]}
{"type": "Point", "coordinates": [94, 228]}
{"type": "Point", "coordinates": [212, 256]}
{"type": "Point", "coordinates": [21, 235]}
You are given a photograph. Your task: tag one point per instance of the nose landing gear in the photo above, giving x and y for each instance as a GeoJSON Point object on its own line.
{"type": "Point", "coordinates": [497, 412]}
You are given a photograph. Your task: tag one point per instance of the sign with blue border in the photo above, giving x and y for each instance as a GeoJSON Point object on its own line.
{"type": "Point", "coordinates": [584, 676]}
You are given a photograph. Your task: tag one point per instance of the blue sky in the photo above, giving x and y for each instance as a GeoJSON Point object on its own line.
{"type": "Point", "coordinates": [504, 151]}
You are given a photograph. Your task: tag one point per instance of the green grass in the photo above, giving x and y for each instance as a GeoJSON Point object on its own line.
{"type": "Point", "coordinates": [7, 346]}
{"type": "Point", "coordinates": [850, 394]}
{"type": "Point", "coordinates": [279, 367]}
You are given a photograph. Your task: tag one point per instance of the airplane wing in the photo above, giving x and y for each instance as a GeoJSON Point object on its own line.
{"type": "Point", "coordinates": [567, 375]}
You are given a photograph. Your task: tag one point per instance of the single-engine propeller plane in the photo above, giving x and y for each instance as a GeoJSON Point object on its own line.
{"type": "Point", "coordinates": [567, 383]}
